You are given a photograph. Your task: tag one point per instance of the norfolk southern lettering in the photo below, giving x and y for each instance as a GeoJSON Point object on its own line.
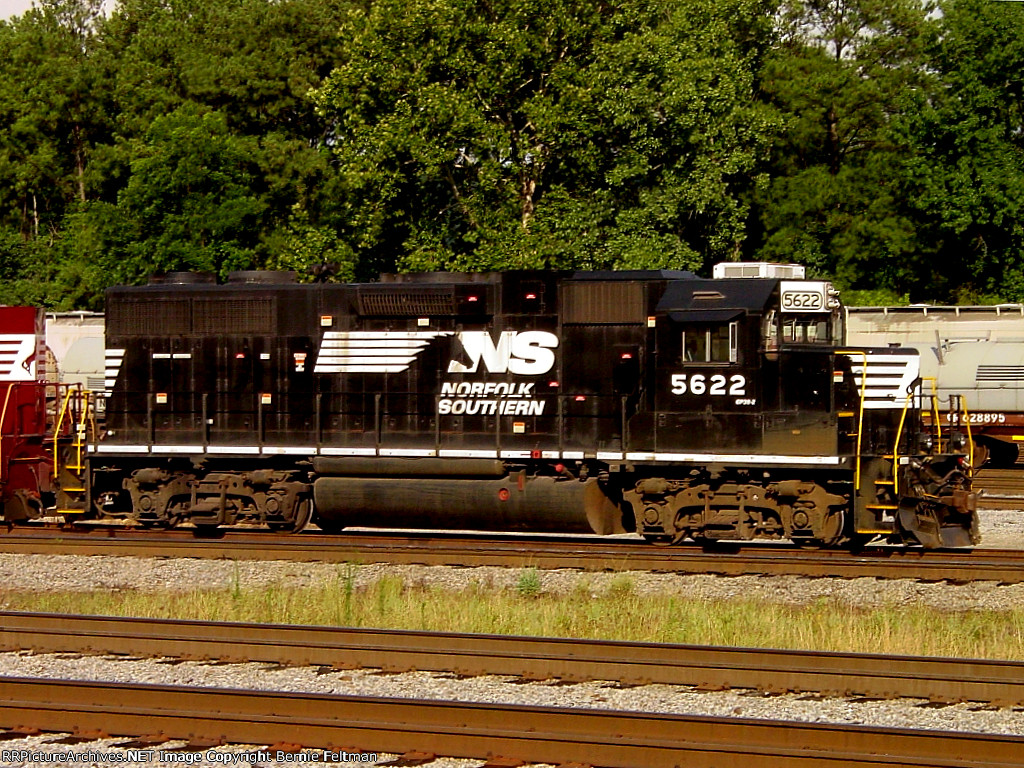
{"type": "Point", "coordinates": [516, 353]}
{"type": "Point", "coordinates": [490, 399]}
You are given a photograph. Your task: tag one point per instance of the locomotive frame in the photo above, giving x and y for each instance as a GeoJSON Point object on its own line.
{"type": "Point", "coordinates": [605, 401]}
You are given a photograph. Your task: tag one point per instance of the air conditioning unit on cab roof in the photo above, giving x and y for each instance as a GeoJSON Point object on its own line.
{"type": "Point", "coordinates": [759, 269]}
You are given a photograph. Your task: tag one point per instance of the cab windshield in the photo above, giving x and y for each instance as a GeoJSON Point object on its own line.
{"type": "Point", "coordinates": [805, 330]}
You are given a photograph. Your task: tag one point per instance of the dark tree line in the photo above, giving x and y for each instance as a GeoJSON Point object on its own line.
{"type": "Point", "coordinates": [878, 142]}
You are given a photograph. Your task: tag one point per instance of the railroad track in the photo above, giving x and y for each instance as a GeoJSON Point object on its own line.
{"type": "Point", "coordinates": [516, 733]}
{"type": "Point", "coordinates": [1002, 488]}
{"type": "Point", "coordinates": [963, 565]}
{"type": "Point", "coordinates": [513, 732]}
{"type": "Point", "coordinates": [999, 683]}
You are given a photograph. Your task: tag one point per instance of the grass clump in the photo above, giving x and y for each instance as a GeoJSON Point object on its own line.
{"type": "Point", "coordinates": [616, 612]}
{"type": "Point", "coordinates": [528, 584]}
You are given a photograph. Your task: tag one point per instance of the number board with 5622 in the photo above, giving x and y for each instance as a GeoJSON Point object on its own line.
{"type": "Point", "coordinates": [804, 296]}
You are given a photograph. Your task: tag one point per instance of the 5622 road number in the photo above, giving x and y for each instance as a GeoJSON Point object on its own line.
{"type": "Point", "coordinates": [714, 385]}
{"type": "Point", "coordinates": [802, 300]}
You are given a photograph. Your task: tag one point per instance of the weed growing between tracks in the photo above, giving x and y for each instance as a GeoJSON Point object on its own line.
{"type": "Point", "coordinates": [615, 611]}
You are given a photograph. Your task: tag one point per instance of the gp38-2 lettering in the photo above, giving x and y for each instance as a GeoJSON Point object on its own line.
{"type": "Point", "coordinates": [714, 385]}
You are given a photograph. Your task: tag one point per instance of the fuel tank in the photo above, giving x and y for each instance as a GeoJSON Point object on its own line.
{"type": "Point", "coordinates": [516, 502]}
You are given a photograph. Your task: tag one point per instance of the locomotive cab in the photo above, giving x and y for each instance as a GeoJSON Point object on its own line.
{"type": "Point", "coordinates": [748, 374]}
{"type": "Point", "coordinates": [736, 371]}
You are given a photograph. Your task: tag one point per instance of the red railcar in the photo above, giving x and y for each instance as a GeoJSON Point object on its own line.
{"type": "Point", "coordinates": [41, 424]}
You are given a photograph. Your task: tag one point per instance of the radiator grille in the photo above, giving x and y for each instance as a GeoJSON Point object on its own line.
{"type": "Point", "coordinates": [603, 302]}
{"type": "Point", "coordinates": [235, 316]}
{"type": "Point", "coordinates": [411, 302]}
{"type": "Point", "coordinates": [165, 317]}
{"type": "Point", "coordinates": [151, 317]}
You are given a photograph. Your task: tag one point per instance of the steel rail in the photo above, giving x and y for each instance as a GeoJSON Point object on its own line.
{"type": "Point", "coordinates": [1005, 501]}
{"type": "Point", "coordinates": [1005, 566]}
{"type": "Point", "coordinates": [532, 734]}
{"type": "Point", "coordinates": [1000, 488]}
{"type": "Point", "coordinates": [844, 674]}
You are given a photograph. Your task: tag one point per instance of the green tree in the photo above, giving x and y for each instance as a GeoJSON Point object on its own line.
{"type": "Point", "coordinates": [252, 63]}
{"type": "Point", "coordinates": [842, 75]}
{"type": "Point", "coordinates": [967, 171]}
{"type": "Point", "coordinates": [103, 174]}
{"type": "Point", "coordinates": [190, 197]}
{"type": "Point", "coordinates": [51, 113]}
{"type": "Point", "coordinates": [481, 135]}
{"type": "Point", "coordinates": [53, 117]}
{"type": "Point", "coordinates": [312, 251]}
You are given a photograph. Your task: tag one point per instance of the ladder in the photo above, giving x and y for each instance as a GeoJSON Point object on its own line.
{"type": "Point", "coordinates": [73, 428]}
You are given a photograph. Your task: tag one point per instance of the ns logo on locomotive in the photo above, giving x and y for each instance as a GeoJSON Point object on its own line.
{"type": "Point", "coordinates": [649, 401]}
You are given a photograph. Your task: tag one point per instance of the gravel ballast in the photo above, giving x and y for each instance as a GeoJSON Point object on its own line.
{"type": "Point", "coordinates": [49, 573]}
{"type": "Point", "coordinates": [56, 573]}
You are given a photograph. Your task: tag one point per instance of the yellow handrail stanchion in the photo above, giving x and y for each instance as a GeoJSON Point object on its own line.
{"type": "Point", "coordinates": [962, 414]}
{"type": "Point", "coordinates": [860, 410]}
{"type": "Point", "coordinates": [936, 419]}
{"type": "Point", "coordinates": [896, 449]}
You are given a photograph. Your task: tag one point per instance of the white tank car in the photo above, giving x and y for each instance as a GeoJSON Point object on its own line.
{"type": "Point", "coordinates": [977, 352]}
{"type": "Point", "coordinates": [74, 350]}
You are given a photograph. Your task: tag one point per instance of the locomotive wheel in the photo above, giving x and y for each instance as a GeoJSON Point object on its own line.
{"type": "Point", "coordinates": [21, 507]}
{"type": "Point", "coordinates": [303, 512]}
{"type": "Point", "coordinates": [834, 525]}
{"type": "Point", "coordinates": [831, 535]}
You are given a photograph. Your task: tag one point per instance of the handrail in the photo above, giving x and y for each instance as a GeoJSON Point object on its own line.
{"type": "Point", "coordinates": [73, 411]}
{"type": "Point", "coordinates": [860, 411]}
{"type": "Point", "coordinates": [935, 409]}
{"type": "Point", "coordinates": [73, 390]}
{"type": "Point", "coordinates": [896, 446]}
{"type": "Point", "coordinates": [962, 409]}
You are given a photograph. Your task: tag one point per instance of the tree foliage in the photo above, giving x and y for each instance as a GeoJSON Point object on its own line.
{"type": "Point", "coordinates": [842, 71]}
{"type": "Point", "coordinates": [475, 135]}
{"type": "Point", "coordinates": [176, 134]}
{"type": "Point", "coordinates": [900, 168]}
{"type": "Point", "coordinates": [967, 168]}
{"type": "Point", "coordinates": [878, 142]}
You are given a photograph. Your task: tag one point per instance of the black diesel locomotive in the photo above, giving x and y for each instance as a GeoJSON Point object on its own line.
{"type": "Point", "coordinates": [651, 401]}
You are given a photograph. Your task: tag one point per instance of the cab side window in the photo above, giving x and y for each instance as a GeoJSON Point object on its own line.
{"type": "Point", "coordinates": [695, 346]}
{"type": "Point", "coordinates": [710, 344]}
